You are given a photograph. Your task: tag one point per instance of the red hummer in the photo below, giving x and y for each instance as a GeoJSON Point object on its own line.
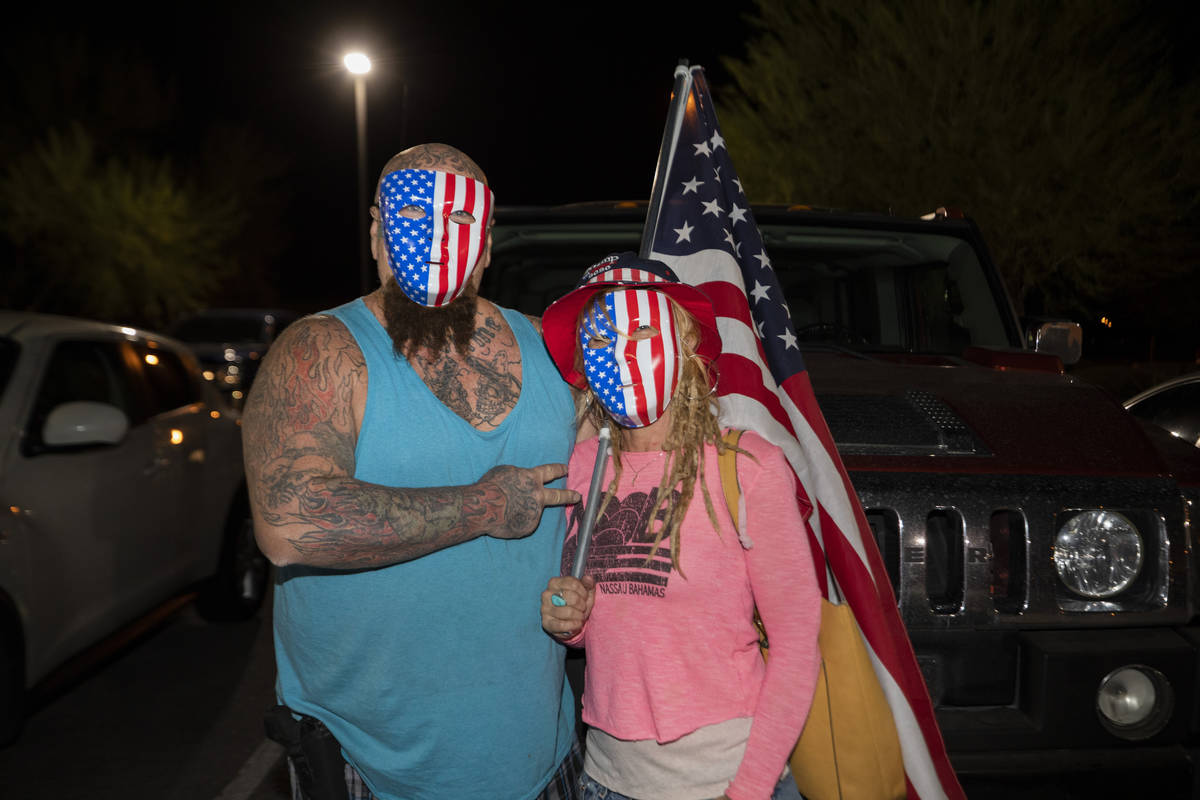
{"type": "Point", "coordinates": [1039, 539]}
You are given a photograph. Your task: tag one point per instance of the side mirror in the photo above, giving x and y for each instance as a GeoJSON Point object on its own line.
{"type": "Point", "coordinates": [83, 423]}
{"type": "Point", "coordinates": [1059, 338]}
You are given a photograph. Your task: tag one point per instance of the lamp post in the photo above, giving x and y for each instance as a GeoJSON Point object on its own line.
{"type": "Point", "coordinates": [359, 65]}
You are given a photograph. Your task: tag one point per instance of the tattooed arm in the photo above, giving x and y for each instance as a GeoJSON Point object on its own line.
{"type": "Point", "coordinates": [300, 429]}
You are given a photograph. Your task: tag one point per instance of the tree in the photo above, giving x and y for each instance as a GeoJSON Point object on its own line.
{"type": "Point", "coordinates": [1059, 126]}
{"type": "Point", "coordinates": [117, 239]}
{"type": "Point", "coordinates": [96, 216]}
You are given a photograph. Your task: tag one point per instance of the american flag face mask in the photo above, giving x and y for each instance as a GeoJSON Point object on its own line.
{"type": "Point", "coordinates": [435, 231]}
{"type": "Point", "coordinates": [631, 355]}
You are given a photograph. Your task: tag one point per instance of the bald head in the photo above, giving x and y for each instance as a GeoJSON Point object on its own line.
{"type": "Point", "coordinates": [435, 156]}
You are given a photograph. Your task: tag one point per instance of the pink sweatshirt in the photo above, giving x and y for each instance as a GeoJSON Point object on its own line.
{"type": "Point", "coordinates": [667, 654]}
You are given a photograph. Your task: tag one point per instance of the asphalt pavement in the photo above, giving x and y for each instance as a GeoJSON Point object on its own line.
{"type": "Point", "coordinates": [171, 709]}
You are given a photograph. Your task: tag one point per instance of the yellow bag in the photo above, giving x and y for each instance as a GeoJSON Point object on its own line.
{"type": "Point", "coordinates": [849, 748]}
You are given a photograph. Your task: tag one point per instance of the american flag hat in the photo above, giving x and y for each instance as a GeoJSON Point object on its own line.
{"type": "Point", "coordinates": [560, 322]}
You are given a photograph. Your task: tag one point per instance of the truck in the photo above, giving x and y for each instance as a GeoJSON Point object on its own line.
{"type": "Point", "coordinates": [1039, 539]}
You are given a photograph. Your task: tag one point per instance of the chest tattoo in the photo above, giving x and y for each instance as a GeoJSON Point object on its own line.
{"type": "Point", "coordinates": [483, 387]}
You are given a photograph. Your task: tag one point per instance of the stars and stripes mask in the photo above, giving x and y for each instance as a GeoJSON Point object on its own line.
{"type": "Point", "coordinates": [631, 354]}
{"type": "Point", "coordinates": [435, 231]}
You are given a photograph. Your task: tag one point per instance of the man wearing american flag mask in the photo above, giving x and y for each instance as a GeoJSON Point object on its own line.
{"type": "Point", "coordinates": [434, 227]}
{"type": "Point", "coordinates": [405, 453]}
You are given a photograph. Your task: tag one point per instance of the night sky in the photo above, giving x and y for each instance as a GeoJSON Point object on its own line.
{"type": "Point", "coordinates": [555, 104]}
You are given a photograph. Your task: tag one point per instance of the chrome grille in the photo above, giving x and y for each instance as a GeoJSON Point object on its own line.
{"type": "Point", "coordinates": [971, 550]}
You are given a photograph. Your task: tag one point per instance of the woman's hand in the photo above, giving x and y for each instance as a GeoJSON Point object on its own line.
{"type": "Point", "coordinates": [565, 618]}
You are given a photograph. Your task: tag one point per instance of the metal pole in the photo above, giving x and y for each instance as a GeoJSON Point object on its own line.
{"type": "Point", "coordinates": [360, 122]}
{"type": "Point", "coordinates": [679, 101]}
{"type": "Point", "coordinates": [584, 541]}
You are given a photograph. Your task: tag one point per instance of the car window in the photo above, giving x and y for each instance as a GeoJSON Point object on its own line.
{"type": "Point", "coordinates": [1177, 409]}
{"type": "Point", "coordinates": [533, 268]}
{"type": "Point", "coordinates": [171, 384]}
{"type": "Point", "coordinates": [8, 361]}
{"type": "Point", "coordinates": [82, 371]}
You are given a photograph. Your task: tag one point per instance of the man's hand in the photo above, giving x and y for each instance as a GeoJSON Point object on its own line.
{"type": "Point", "coordinates": [522, 495]}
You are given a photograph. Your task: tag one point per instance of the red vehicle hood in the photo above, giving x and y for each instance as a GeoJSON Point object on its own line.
{"type": "Point", "coordinates": [933, 414]}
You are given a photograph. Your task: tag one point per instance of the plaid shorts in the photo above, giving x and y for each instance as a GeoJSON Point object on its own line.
{"type": "Point", "coordinates": [564, 785]}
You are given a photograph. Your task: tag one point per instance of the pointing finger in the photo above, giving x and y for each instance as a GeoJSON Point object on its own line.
{"type": "Point", "coordinates": [559, 497]}
{"type": "Point", "coordinates": [549, 472]}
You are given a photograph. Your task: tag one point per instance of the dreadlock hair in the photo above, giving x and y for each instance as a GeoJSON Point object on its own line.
{"type": "Point", "coordinates": [693, 425]}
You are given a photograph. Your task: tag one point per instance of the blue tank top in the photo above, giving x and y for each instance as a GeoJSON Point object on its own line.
{"type": "Point", "coordinates": [435, 674]}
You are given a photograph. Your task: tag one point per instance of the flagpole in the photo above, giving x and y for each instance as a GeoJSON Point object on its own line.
{"type": "Point", "coordinates": [679, 100]}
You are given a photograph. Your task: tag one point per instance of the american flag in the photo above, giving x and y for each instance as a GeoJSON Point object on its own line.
{"type": "Point", "coordinates": [434, 240]}
{"type": "Point", "coordinates": [706, 232]}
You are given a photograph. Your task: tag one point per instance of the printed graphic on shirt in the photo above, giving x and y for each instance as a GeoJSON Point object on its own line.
{"type": "Point", "coordinates": [620, 545]}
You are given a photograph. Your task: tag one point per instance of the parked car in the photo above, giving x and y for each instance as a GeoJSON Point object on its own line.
{"type": "Point", "coordinates": [121, 485]}
{"type": "Point", "coordinates": [230, 343]}
{"type": "Point", "coordinates": [1039, 540]}
{"type": "Point", "coordinates": [1173, 405]}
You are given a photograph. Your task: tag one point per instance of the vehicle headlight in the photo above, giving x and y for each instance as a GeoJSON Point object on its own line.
{"type": "Point", "coordinates": [1135, 701]}
{"type": "Point", "coordinates": [1098, 554]}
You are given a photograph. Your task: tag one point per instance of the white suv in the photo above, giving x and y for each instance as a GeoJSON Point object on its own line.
{"type": "Point", "coordinates": [121, 485]}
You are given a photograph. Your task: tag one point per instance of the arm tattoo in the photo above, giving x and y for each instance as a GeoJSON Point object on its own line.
{"type": "Point", "coordinates": [346, 523]}
{"type": "Point", "coordinates": [299, 436]}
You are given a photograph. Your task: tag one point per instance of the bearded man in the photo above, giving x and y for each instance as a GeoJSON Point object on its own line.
{"type": "Point", "coordinates": [398, 450]}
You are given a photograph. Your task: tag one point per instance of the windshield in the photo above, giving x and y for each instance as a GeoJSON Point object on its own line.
{"type": "Point", "coordinates": [916, 292]}
{"type": "Point", "coordinates": [870, 290]}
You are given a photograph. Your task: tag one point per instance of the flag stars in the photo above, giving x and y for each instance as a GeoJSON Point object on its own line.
{"type": "Point", "coordinates": [685, 233]}
{"type": "Point", "coordinates": [692, 185]}
{"type": "Point", "coordinates": [759, 292]}
{"type": "Point", "coordinates": [729, 237]}
{"type": "Point", "coordinates": [738, 183]}
{"type": "Point", "coordinates": [789, 340]}
{"type": "Point", "coordinates": [702, 149]}
{"type": "Point", "coordinates": [717, 140]}
{"type": "Point", "coordinates": [712, 207]}
{"type": "Point", "coordinates": [763, 261]}
{"type": "Point", "coordinates": [737, 214]}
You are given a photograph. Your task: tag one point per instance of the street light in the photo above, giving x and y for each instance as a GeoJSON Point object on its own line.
{"type": "Point", "coordinates": [359, 65]}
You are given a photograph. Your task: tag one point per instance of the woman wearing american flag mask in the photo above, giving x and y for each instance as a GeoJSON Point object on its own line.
{"type": "Point", "coordinates": [680, 704]}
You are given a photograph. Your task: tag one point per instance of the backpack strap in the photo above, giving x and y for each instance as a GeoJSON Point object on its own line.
{"type": "Point", "coordinates": [727, 465]}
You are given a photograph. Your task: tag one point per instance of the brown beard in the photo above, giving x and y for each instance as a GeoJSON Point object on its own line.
{"type": "Point", "coordinates": [412, 326]}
